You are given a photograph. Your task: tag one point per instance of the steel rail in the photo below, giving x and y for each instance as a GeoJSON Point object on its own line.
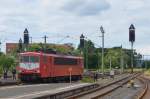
{"type": "Point", "coordinates": [121, 82]}
{"type": "Point", "coordinates": [116, 87]}
{"type": "Point", "coordinates": [144, 90]}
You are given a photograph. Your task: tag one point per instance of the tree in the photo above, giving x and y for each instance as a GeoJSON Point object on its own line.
{"type": "Point", "coordinates": [7, 62]}
{"type": "Point", "coordinates": [114, 55]}
{"type": "Point", "coordinates": [35, 47]}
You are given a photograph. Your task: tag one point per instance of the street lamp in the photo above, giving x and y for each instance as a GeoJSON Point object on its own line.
{"type": "Point", "coordinates": [102, 31]}
{"type": "Point", "coordinates": [132, 39]}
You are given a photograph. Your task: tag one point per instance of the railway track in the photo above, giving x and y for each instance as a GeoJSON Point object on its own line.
{"type": "Point", "coordinates": [145, 92]}
{"type": "Point", "coordinates": [103, 90]}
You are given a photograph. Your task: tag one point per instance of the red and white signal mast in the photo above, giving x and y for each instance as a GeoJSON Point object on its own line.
{"type": "Point", "coordinates": [132, 40]}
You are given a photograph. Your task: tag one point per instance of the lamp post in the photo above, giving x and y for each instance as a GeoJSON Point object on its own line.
{"type": "Point", "coordinates": [102, 31]}
{"type": "Point", "coordinates": [132, 39]}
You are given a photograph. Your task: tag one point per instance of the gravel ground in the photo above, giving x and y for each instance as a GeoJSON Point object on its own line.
{"type": "Point", "coordinates": [124, 92]}
{"type": "Point", "coordinates": [147, 96]}
{"type": "Point", "coordinates": [109, 80]}
{"type": "Point", "coordinates": [104, 82]}
{"type": "Point", "coordinates": [11, 91]}
{"type": "Point", "coordinates": [7, 92]}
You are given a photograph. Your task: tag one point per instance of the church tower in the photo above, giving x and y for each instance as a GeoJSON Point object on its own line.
{"type": "Point", "coordinates": [26, 37]}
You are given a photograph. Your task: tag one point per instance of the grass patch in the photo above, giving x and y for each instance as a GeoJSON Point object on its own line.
{"type": "Point", "coordinates": [87, 80]}
{"type": "Point", "coordinates": [147, 72]}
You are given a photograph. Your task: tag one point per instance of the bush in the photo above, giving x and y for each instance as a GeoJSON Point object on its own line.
{"type": "Point", "coordinates": [147, 72]}
{"type": "Point", "coordinates": [87, 80]}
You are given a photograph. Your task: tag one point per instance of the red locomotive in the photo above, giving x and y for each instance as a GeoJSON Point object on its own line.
{"type": "Point", "coordinates": [49, 67]}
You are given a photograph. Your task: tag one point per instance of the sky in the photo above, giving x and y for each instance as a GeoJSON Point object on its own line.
{"type": "Point", "coordinates": [60, 18]}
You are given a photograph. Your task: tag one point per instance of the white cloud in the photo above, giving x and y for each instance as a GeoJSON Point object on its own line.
{"type": "Point", "coordinates": [144, 50]}
{"type": "Point", "coordinates": [73, 17]}
{"type": "Point", "coordinates": [86, 7]}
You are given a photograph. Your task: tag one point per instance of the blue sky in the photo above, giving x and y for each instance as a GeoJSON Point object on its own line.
{"type": "Point", "coordinates": [59, 18]}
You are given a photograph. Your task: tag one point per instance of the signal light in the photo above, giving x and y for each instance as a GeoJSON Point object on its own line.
{"type": "Point", "coordinates": [132, 33]}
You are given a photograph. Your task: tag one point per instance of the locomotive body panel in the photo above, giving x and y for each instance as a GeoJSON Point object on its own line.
{"type": "Point", "coordinates": [49, 65]}
{"type": "Point", "coordinates": [46, 66]}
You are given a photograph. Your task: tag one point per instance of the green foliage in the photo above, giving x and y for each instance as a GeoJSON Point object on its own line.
{"type": "Point", "coordinates": [146, 64]}
{"type": "Point", "coordinates": [87, 80]}
{"type": "Point", "coordinates": [93, 61]}
{"type": "Point", "coordinates": [115, 56]}
{"type": "Point", "coordinates": [147, 72]}
{"type": "Point", "coordinates": [6, 62]}
{"type": "Point", "coordinates": [59, 48]}
{"type": "Point", "coordinates": [34, 47]}
{"type": "Point", "coordinates": [92, 56]}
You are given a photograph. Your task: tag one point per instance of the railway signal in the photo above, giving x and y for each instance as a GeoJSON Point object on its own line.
{"type": "Point", "coordinates": [132, 40]}
{"type": "Point", "coordinates": [82, 41]}
{"type": "Point", "coordinates": [84, 48]}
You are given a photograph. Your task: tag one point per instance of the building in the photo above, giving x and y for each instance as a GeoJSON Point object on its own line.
{"type": "Point", "coordinates": [10, 47]}
{"type": "Point", "coordinates": [13, 47]}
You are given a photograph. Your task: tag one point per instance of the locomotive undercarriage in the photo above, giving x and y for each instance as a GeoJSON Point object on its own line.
{"type": "Point", "coordinates": [37, 78]}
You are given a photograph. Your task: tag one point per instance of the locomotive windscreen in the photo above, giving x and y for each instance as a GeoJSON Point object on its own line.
{"type": "Point", "coordinates": [65, 61]}
{"type": "Point", "coordinates": [33, 59]}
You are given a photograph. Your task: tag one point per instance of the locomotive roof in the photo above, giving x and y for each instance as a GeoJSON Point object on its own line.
{"type": "Point", "coordinates": [48, 54]}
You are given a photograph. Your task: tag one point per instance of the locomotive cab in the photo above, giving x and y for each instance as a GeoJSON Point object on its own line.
{"type": "Point", "coordinates": [29, 66]}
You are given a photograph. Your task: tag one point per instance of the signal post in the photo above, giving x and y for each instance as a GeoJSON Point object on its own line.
{"type": "Point", "coordinates": [132, 40]}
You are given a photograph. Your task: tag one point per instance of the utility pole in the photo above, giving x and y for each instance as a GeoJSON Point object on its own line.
{"type": "Point", "coordinates": [86, 55]}
{"type": "Point", "coordinates": [132, 57]}
{"type": "Point", "coordinates": [31, 40]}
{"type": "Point", "coordinates": [45, 41]}
{"type": "Point", "coordinates": [110, 64]}
{"type": "Point", "coordinates": [102, 31]}
{"type": "Point", "coordinates": [99, 66]}
{"type": "Point", "coordinates": [121, 60]}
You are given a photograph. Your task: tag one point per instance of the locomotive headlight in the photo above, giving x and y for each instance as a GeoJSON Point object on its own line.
{"type": "Point", "coordinates": [19, 71]}
{"type": "Point", "coordinates": [38, 71]}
